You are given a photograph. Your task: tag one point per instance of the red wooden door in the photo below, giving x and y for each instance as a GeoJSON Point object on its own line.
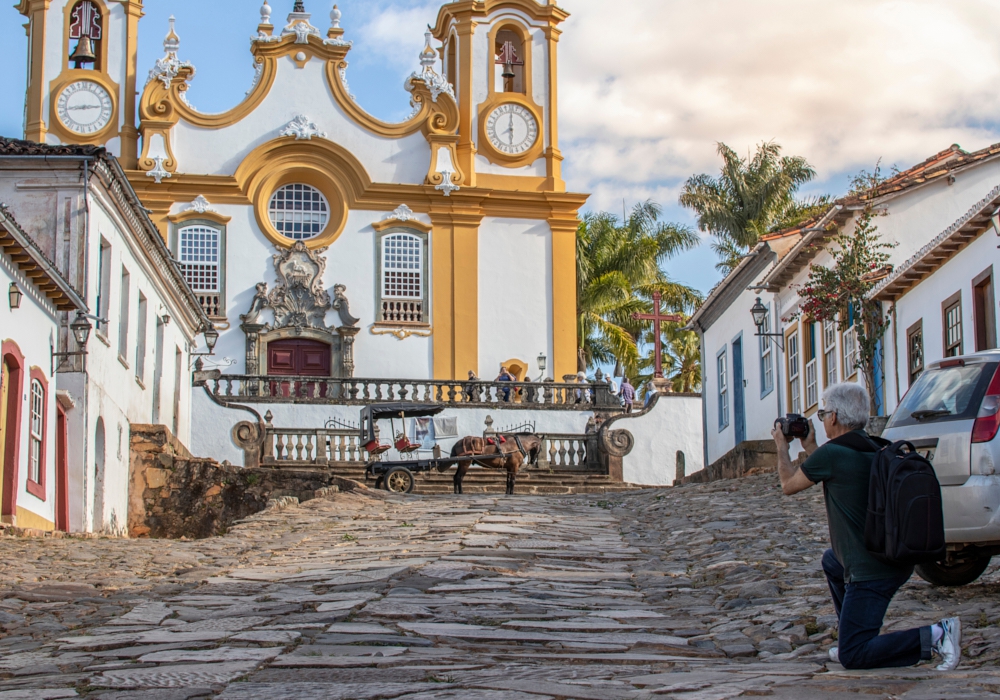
{"type": "Point", "coordinates": [62, 472]}
{"type": "Point", "coordinates": [298, 358]}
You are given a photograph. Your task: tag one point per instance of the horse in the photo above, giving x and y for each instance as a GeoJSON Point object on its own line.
{"type": "Point", "coordinates": [494, 453]}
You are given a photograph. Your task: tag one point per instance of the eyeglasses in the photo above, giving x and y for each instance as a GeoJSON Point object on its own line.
{"type": "Point", "coordinates": [823, 413]}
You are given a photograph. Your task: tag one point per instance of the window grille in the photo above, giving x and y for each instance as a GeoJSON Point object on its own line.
{"type": "Point", "coordinates": [795, 399]}
{"type": "Point", "coordinates": [953, 330]}
{"type": "Point", "coordinates": [723, 392]}
{"type": "Point", "coordinates": [200, 258]}
{"type": "Point", "coordinates": [830, 351]}
{"type": "Point", "coordinates": [298, 211]}
{"type": "Point", "coordinates": [766, 359]}
{"type": "Point", "coordinates": [402, 278]}
{"type": "Point", "coordinates": [35, 465]}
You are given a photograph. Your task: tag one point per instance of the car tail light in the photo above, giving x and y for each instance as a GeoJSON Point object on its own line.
{"type": "Point", "coordinates": [988, 418]}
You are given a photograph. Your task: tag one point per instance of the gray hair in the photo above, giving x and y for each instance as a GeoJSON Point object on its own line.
{"type": "Point", "coordinates": [850, 401]}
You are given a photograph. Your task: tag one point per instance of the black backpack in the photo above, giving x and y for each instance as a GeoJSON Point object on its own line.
{"type": "Point", "coordinates": [905, 522]}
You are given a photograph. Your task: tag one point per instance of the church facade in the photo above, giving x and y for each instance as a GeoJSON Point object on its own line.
{"type": "Point", "coordinates": [320, 240]}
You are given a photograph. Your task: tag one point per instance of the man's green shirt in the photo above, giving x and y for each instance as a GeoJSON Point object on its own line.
{"type": "Point", "coordinates": [845, 473]}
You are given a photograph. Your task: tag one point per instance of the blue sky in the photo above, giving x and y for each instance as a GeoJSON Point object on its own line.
{"type": "Point", "coordinates": [646, 90]}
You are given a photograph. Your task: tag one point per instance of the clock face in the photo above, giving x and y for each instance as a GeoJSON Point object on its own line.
{"type": "Point", "coordinates": [511, 128]}
{"type": "Point", "coordinates": [84, 107]}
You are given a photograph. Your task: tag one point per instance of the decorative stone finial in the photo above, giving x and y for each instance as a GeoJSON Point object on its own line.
{"type": "Point", "coordinates": [265, 13]}
{"type": "Point", "coordinates": [335, 18]}
{"type": "Point", "coordinates": [172, 42]}
{"type": "Point", "coordinates": [428, 57]}
{"type": "Point", "coordinates": [299, 6]}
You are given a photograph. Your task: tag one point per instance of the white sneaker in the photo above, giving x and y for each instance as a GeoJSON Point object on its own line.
{"type": "Point", "coordinates": [835, 655]}
{"type": "Point", "coordinates": [949, 647]}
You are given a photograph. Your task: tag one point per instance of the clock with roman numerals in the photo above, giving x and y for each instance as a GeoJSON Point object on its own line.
{"type": "Point", "coordinates": [511, 128]}
{"type": "Point", "coordinates": [84, 107]}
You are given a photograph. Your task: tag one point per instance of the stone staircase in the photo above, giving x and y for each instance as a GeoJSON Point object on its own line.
{"type": "Point", "coordinates": [480, 480]}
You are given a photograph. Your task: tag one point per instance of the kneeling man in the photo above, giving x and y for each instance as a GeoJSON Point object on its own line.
{"type": "Point", "coordinates": [860, 584]}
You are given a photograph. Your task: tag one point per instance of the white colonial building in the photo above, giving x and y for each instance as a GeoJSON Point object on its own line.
{"type": "Point", "coordinates": [82, 214]}
{"type": "Point", "coordinates": [941, 214]}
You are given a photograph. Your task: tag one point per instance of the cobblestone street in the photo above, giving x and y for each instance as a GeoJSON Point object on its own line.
{"type": "Point", "coordinates": [703, 592]}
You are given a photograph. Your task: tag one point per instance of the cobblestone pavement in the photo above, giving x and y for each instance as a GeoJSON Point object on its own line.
{"type": "Point", "coordinates": [703, 592]}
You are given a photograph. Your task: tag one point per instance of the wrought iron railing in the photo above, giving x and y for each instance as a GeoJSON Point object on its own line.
{"type": "Point", "coordinates": [514, 395]}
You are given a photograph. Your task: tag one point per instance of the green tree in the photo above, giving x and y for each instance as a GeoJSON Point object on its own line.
{"type": "Point", "coordinates": [618, 267]}
{"type": "Point", "coordinates": [750, 198]}
{"type": "Point", "coordinates": [840, 291]}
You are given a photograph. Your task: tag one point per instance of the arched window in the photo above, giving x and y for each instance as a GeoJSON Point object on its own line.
{"type": "Point", "coordinates": [403, 284]}
{"type": "Point", "coordinates": [199, 248]}
{"type": "Point", "coordinates": [509, 61]}
{"type": "Point", "coordinates": [298, 211]}
{"type": "Point", "coordinates": [85, 35]}
{"type": "Point", "coordinates": [36, 447]}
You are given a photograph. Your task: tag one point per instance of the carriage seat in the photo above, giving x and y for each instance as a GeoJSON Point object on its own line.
{"type": "Point", "coordinates": [403, 444]}
{"type": "Point", "coordinates": [374, 448]}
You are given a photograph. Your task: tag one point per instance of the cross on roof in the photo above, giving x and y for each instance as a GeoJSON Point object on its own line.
{"type": "Point", "coordinates": [657, 318]}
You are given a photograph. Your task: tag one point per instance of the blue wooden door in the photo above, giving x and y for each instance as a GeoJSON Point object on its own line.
{"type": "Point", "coordinates": [739, 407]}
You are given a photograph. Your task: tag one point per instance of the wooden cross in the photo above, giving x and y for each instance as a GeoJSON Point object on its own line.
{"type": "Point", "coordinates": [657, 318]}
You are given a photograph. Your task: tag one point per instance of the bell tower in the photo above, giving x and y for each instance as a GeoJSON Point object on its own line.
{"type": "Point", "coordinates": [82, 73]}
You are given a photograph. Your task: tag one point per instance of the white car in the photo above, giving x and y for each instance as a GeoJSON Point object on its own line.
{"type": "Point", "coordinates": [952, 415]}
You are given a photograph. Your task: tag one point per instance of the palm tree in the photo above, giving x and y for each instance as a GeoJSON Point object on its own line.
{"type": "Point", "coordinates": [618, 267]}
{"type": "Point", "coordinates": [750, 198]}
{"type": "Point", "coordinates": [681, 359]}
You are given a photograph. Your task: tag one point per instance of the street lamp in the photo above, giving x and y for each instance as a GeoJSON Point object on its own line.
{"type": "Point", "coordinates": [211, 338]}
{"type": "Point", "coordinates": [80, 328]}
{"type": "Point", "coordinates": [14, 295]}
{"type": "Point", "coordinates": [759, 313]}
{"type": "Point", "coordinates": [542, 363]}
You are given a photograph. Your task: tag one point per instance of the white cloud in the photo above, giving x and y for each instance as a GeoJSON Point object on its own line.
{"type": "Point", "coordinates": [648, 88]}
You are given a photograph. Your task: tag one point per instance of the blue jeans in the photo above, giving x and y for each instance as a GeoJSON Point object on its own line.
{"type": "Point", "coordinates": [860, 608]}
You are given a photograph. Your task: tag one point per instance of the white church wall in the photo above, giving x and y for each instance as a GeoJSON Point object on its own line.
{"type": "Point", "coordinates": [672, 424]}
{"type": "Point", "coordinates": [515, 283]}
{"type": "Point", "coordinates": [213, 424]}
{"type": "Point", "coordinates": [300, 91]}
{"type": "Point", "coordinates": [352, 261]}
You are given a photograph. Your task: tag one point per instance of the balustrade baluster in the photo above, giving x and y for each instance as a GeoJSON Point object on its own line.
{"type": "Point", "coordinates": [581, 453]}
{"type": "Point", "coordinates": [562, 453]}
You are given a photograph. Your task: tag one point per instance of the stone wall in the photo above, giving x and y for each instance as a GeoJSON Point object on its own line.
{"type": "Point", "coordinates": [749, 457]}
{"type": "Point", "coordinates": [172, 494]}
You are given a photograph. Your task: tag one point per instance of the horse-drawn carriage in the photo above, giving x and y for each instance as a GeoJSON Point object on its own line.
{"type": "Point", "coordinates": [498, 451]}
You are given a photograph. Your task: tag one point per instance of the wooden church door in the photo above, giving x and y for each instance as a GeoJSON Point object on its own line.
{"type": "Point", "coordinates": [296, 357]}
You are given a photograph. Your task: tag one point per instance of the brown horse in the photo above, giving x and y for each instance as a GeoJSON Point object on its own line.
{"type": "Point", "coordinates": [516, 449]}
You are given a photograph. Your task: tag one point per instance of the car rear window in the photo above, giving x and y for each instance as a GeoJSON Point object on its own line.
{"type": "Point", "coordinates": [944, 394]}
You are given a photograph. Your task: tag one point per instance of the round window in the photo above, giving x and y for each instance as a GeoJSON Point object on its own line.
{"type": "Point", "coordinates": [298, 211]}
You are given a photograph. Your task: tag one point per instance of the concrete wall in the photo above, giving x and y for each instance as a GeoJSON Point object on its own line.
{"type": "Point", "coordinates": [31, 329]}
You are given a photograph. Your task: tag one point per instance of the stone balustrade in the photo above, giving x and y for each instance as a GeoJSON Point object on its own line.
{"type": "Point", "coordinates": [568, 451]}
{"type": "Point", "coordinates": [354, 390]}
{"type": "Point", "coordinates": [315, 446]}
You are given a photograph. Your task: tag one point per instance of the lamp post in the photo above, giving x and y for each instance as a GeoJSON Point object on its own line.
{"type": "Point", "coordinates": [80, 328]}
{"type": "Point", "coordinates": [211, 338]}
{"type": "Point", "coordinates": [759, 313]}
{"type": "Point", "coordinates": [14, 295]}
{"type": "Point", "coordinates": [542, 364]}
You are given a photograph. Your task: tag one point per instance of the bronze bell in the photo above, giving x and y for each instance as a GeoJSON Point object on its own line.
{"type": "Point", "coordinates": [508, 71]}
{"type": "Point", "coordinates": [84, 51]}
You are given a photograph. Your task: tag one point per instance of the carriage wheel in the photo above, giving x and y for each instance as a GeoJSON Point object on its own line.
{"type": "Point", "coordinates": [399, 480]}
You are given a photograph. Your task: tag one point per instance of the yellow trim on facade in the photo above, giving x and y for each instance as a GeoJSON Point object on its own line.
{"type": "Point", "coordinates": [34, 124]}
{"type": "Point", "coordinates": [455, 291]}
{"type": "Point", "coordinates": [129, 131]}
{"type": "Point", "coordinates": [526, 42]}
{"type": "Point", "coordinates": [190, 214]}
{"type": "Point", "coordinates": [386, 224]}
{"type": "Point", "coordinates": [564, 340]}
{"type": "Point", "coordinates": [25, 518]}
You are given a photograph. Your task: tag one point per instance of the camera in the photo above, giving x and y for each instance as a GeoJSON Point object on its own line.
{"type": "Point", "coordinates": [793, 426]}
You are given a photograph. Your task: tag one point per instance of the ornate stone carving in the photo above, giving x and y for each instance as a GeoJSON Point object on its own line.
{"type": "Point", "coordinates": [347, 334]}
{"type": "Point", "coordinates": [402, 332]}
{"type": "Point", "coordinates": [200, 205]}
{"type": "Point", "coordinates": [616, 443]}
{"type": "Point", "coordinates": [168, 67]}
{"type": "Point", "coordinates": [342, 305]}
{"type": "Point", "coordinates": [299, 299]}
{"type": "Point", "coordinates": [158, 172]}
{"type": "Point", "coordinates": [302, 129]}
{"type": "Point", "coordinates": [257, 305]}
{"type": "Point", "coordinates": [401, 213]}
